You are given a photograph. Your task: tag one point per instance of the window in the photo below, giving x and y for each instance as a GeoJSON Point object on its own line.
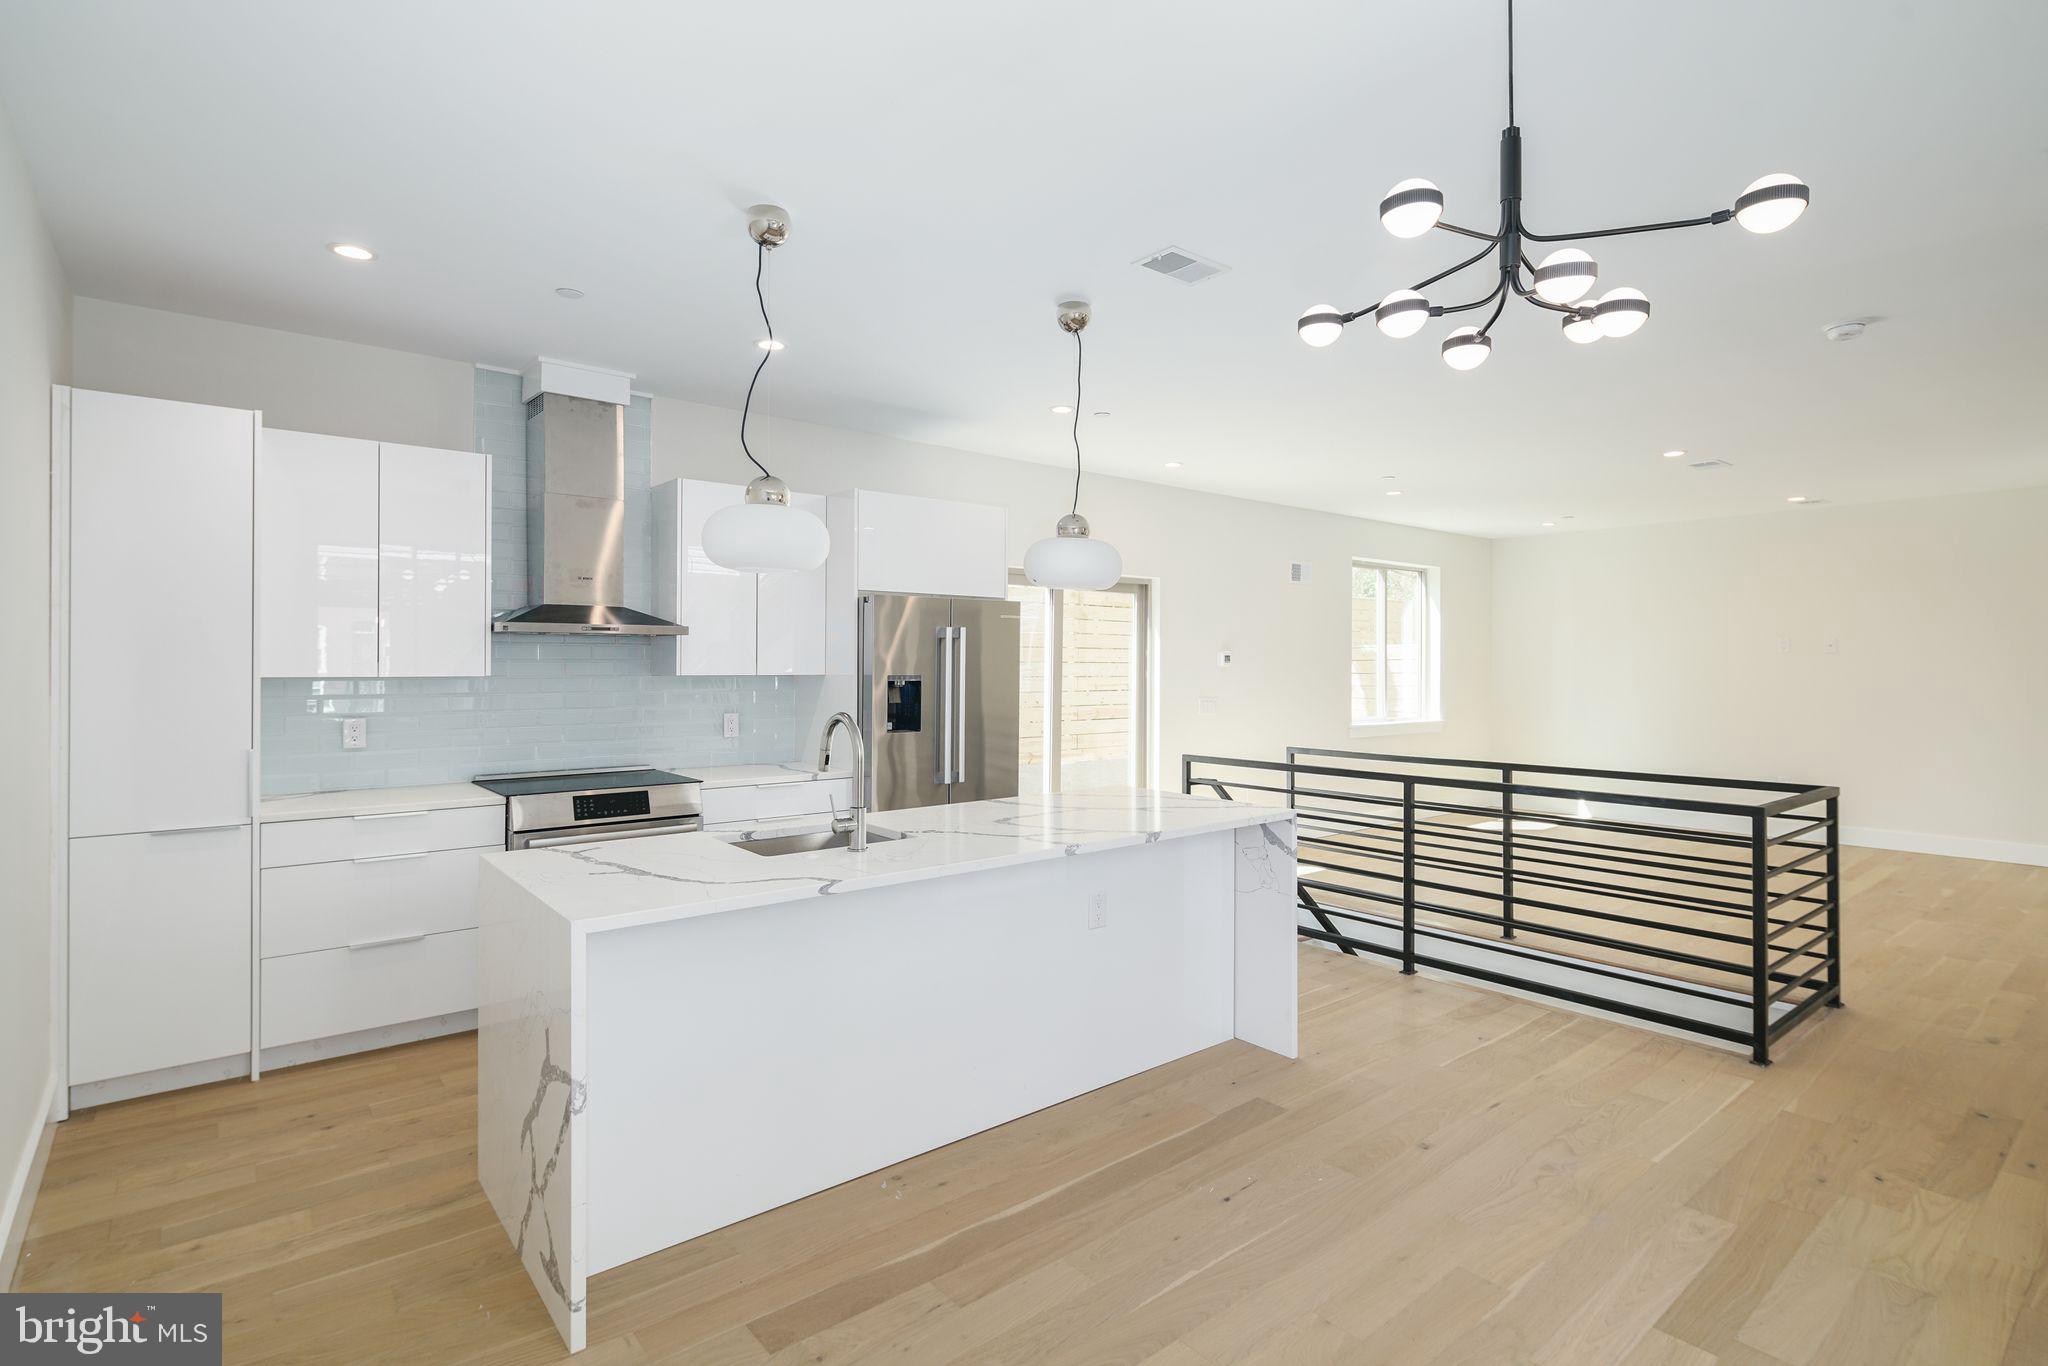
{"type": "Point", "coordinates": [1084, 680]}
{"type": "Point", "coordinates": [1393, 647]}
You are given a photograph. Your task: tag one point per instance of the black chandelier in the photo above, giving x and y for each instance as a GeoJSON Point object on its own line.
{"type": "Point", "coordinates": [1559, 283]}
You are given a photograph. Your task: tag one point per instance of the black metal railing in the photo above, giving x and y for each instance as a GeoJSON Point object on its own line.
{"type": "Point", "coordinates": [1709, 905]}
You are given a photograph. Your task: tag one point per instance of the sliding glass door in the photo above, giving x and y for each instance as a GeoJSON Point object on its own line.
{"type": "Point", "coordinates": [1084, 677]}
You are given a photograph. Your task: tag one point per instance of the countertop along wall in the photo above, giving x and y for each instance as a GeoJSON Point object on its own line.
{"type": "Point", "coordinates": [1896, 650]}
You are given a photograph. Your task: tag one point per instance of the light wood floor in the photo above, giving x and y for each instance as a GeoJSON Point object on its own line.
{"type": "Point", "coordinates": [1445, 1176]}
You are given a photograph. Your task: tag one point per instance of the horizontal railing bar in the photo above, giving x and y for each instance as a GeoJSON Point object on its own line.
{"type": "Point", "coordinates": [1517, 789]}
{"type": "Point", "coordinates": [1491, 841]}
{"type": "Point", "coordinates": [1785, 926]}
{"type": "Point", "coordinates": [1682, 780]}
{"type": "Point", "coordinates": [1782, 992]}
{"type": "Point", "coordinates": [1799, 1012]}
{"type": "Point", "coordinates": [1796, 864]}
{"type": "Point", "coordinates": [1803, 951]}
{"type": "Point", "coordinates": [1820, 824]}
{"type": "Point", "coordinates": [1796, 893]}
{"type": "Point", "coordinates": [1562, 961]}
{"type": "Point", "coordinates": [1584, 998]}
{"type": "Point", "coordinates": [1676, 832]}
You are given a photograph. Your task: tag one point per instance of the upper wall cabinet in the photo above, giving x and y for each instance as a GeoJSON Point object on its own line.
{"type": "Point", "coordinates": [746, 624]}
{"type": "Point", "coordinates": [433, 562]}
{"type": "Point", "coordinates": [316, 546]}
{"type": "Point", "coordinates": [159, 674]}
{"type": "Point", "coordinates": [909, 544]}
{"type": "Point", "coordinates": [373, 559]}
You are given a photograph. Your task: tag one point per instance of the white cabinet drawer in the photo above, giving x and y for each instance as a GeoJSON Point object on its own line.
{"type": "Point", "coordinates": [159, 939]}
{"type": "Point", "coordinates": [339, 991]}
{"type": "Point", "coordinates": [727, 805]}
{"type": "Point", "coordinates": [331, 905]}
{"type": "Point", "coordinates": [399, 832]}
{"type": "Point", "coordinates": [803, 799]}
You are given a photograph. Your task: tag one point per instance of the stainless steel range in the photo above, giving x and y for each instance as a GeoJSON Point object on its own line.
{"type": "Point", "coordinates": [588, 805]}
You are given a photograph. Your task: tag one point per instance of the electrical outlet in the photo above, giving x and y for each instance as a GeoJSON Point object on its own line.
{"type": "Point", "coordinates": [1098, 911]}
{"type": "Point", "coordinates": [732, 725]}
{"type": "Point", "coordinates": [355, 732]}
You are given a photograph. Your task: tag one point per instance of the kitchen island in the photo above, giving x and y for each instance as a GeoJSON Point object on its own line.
{"type": "Point", "coordinates": [677, 1033]}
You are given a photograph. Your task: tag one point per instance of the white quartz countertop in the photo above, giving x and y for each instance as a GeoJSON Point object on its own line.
{"type": "Point", "coordinates": [674, 877]}
{"type": "Point", "coordinates": [374, 801]}
{"type": "Point", "coordinates": [371, 801]}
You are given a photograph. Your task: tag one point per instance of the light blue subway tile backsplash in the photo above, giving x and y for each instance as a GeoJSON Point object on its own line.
{"type": "Point", "coordinates": [551, 701]}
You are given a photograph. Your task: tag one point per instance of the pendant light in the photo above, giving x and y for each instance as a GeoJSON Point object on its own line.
{"type": "Point", "coordinates": [1070, 557]}
{"type": "Point", "coordinates": [765, 533]}
{"type": "Point", "coordinates": [1560, 283]}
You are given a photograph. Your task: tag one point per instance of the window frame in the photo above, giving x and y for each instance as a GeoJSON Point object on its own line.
{"type": "Point", "coordinates": [1140, 591]}
{"type": "Point", "coordinates": [1432, 718]}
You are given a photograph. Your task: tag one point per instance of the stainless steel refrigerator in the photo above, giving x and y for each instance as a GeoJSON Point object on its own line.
{"type": "Point", "coordinates": [938, 699]}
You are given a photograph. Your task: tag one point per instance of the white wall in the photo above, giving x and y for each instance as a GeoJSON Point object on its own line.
{"type": "Point", "coordinates": [1220, 565]}
{"type": "Point", "coordinates": [34, 345]}
{"type": "Point", "coordinates": [305, 384]}
{"type": "Point", "coordinates": [1896, 650]}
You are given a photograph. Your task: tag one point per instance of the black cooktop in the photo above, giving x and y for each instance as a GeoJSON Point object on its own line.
{"type": "Point", "coordinates": [516, 785]}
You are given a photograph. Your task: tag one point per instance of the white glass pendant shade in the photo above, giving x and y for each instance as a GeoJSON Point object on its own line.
{"type": "Point", "coordinates": [765, 534]}
{"type": "Point", "coordinates": [1411, 208]}
{"type": "Point", "coordinates": [1401, 314]}
{"type": "Point", "coordinates": [1621, 312]}
{"type": "Point", "coordinates": [1320, 324]}
{"type": "Point", "coordinates": [1565, 276]}
{"type": "Point", "coordinates": [1071, 558]}
{"type": "Point", "coordinates": [1466, 349]}
{"type": "Point", "coordinates": [1582, 328]}
{"type": "Point", "coordinates": [1771, 202]}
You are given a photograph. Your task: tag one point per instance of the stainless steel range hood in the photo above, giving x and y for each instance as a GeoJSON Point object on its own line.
{"type": "Point", "coordinates": [576, 524]}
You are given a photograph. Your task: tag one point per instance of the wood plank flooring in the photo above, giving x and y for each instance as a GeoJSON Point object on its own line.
{"type": "Point", "coordinates": [1445, 1176]}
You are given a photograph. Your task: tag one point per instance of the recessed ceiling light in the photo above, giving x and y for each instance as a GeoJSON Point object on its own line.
{"type": "Point", "coordinates": [350, 251]}
{"type": "Point", "coordinates": [1102, 412]}
{"type": "Point", "coordinates": [1393, 493]}
{"type": "Point", "coordinates": [1173, 464]}
{"type": "Point", "coordinates": [1799, 498]}
{"type": "Point", "coordinates": [569, 293]}
{"type": "Point", "coordinates": [769, 344]}
{"type": "Point", "coordinates": [1674, 455]}
{"type": "Point", "coordinates": [1063, 408]}
{"type": "Point", "coordinates": [1844, 331]}
{"type": "Point", "coordinates": [1550, 524]}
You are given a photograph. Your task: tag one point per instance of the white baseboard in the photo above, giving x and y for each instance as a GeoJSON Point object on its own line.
{"type": "Point", "coordinates": [1953, 846]}
{"type": "Point", "coordinates": [23, 1182]}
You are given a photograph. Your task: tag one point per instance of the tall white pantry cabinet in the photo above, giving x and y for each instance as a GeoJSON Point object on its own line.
{"type": "Point", "coordinates": [157, 729]}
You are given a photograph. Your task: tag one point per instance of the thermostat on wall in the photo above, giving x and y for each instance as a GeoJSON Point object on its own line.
{"type": "Point", "coordinates": [1223, 659]}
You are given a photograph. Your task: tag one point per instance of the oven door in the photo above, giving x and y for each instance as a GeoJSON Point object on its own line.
{"type": "Point", "coordinates": [600, 834]}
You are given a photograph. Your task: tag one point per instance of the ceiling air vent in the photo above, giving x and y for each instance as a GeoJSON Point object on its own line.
{"type": "Point", "coordinates": [1297, 572]}
{"type": "Point", "coordinates": [1711, 464]}
{"type": "Point", "coordinates": [1184, 266]}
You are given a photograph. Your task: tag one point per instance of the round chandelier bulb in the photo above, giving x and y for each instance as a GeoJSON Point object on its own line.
{"type": "Point", "coordinates": [1582, 328]}
{"type": "Point", "coordinates": [1466, 349]}
{"type": "Point", "coordinates": [1621, 312]}
{"type": "Point", "coordinates": [1565, 276]}
{"type": "Point", "coordinates": [1771, 202]}
{"type": "Point", "coordinates": [1401, 314]}
{"type": "Point", "coordinates": [1071, 558]}
{"type": "Point", "coordinates": [1411, 208]}
{"type": "Point", "coordinates": [1320, 324]}
{"type": "Point", "coordinates": [765, 534]}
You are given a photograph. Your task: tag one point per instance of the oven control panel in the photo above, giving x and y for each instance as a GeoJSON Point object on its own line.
{"type": "Point", "coordinates": [610, 806]}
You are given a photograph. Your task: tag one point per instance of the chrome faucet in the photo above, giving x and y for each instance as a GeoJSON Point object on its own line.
{"type": "Point", "coordinates": [856, 819]}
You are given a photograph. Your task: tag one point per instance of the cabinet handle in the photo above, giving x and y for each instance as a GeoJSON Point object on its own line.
{"type": "Point", "coordinates": [390, 815]}
{"type": "Point", "coordinates": [196, 829]}
{"type": "Point", "coordinates": [380, 943]}
{"type": "Point", "coordinates": [391, 858]}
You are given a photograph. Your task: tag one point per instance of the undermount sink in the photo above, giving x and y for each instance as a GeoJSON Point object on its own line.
{"type": "Point", "coordinates": [810, 842]}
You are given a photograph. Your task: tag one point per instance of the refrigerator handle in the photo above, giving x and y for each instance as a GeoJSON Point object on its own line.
{"type": "Point", "coordinates": [960, 695]}
{"type": "Point", "coordinates": [943, 774]}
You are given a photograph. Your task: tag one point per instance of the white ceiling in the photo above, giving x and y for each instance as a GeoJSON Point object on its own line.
{"type": "Point", "coordinates": [953, 168]}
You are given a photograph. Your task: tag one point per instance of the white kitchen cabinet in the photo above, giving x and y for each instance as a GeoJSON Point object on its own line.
{"type": "Point", "coordinates": [433, 562]}
{"type": "Point", "coordinates": [316, 556]}
{"type": "Point", "coordinates": [159, 666]}
{"type": "Point", "coordinates": [908, 544]}
{"type": "Point", "coordinates": [790, 634]}
{"type": "Point", "coordinates": [738, 806]}
{"type": "Point", "coordinates": [744, 624]}
{"type": "Point", "coordinates": [159, 951]}
{"type": "Point", "coordinates": [368, 986]}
